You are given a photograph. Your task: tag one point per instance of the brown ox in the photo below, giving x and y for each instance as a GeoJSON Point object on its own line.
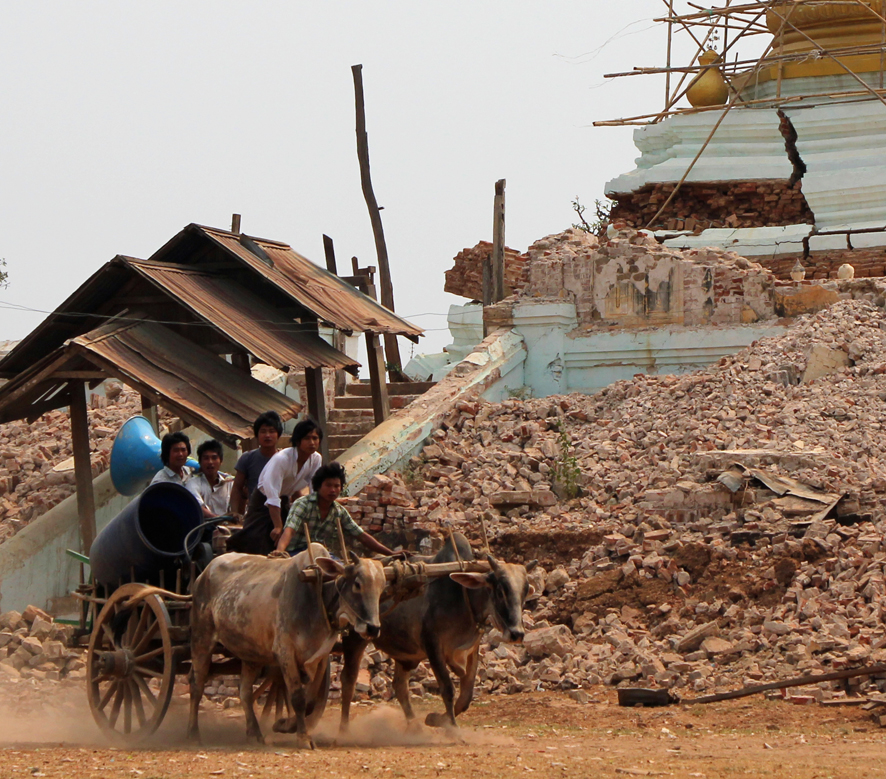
{"type": "Point", "coordinates": [265, 615]}
{"type": "Point", "coordinates": [444, 625]}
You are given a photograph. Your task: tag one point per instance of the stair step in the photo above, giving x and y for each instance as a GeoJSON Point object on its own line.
{"type": "Point", "coordinates": [349, 414]}
{"type": "Point", "coordinates": [350, 427]}
{"type": "Point", "coordinates": [353, 402]}
{"type": "Point", "coordinates": [394, 388]}
{"type": "Point", "coordinates": [342, 442]}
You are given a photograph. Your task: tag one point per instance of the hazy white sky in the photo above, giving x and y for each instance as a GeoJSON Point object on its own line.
{"type": "Point", "coordinates": [123, 122]}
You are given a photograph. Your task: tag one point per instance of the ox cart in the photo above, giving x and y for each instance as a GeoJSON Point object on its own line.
{"type": "Point", "coordinates": [135, 610]}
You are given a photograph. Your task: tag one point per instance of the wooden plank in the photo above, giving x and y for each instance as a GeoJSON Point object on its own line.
{"type": "Point", "coordinates": [800, 681]}
{"type": "Point", "coordinates": [317, 404]}
{"type": "Point", "coordinates": [82, 465]}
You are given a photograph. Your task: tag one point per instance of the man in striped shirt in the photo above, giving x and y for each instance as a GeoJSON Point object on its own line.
{"type": "Point", "coordinates": [322, 514]}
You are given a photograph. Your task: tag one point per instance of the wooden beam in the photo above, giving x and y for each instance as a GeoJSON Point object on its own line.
{"type": "Point", "coordinates": [498, 242]}
{"type": "Point", "coordinates": [392, 350]}
{"type": "Point", "coordinates": [41, 375]}
{"type": "Point", "coordinates": [317, 404]}
{"type": "Point", "coordinates": [82, 465]}
{"type": "Point", "coordinates": [85, 375]}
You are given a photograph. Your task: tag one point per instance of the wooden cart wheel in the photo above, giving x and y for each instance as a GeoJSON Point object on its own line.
{"type": "Point", "coordinates": [130, 665]}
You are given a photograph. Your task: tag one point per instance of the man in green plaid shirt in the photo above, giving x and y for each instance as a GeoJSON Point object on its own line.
{"type": "Point", "coordinates": [320, 510]}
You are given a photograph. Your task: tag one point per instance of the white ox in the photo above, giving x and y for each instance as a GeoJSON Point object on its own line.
{"type": "Point", "coordinates": [265, 615]}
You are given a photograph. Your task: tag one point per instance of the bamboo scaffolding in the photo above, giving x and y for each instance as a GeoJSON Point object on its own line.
{"type": "Point", "coordinates": [732, 101]}
{"type": "Point", "coordinates": [835, 59]}
{"type": "Point", "coordinates": [740, 72]}
{"type": "Point", "coordinates": [734, 68]}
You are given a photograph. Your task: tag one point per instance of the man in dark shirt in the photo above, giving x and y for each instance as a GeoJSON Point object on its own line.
{"type": "Point", "coordinates": [267, 428]}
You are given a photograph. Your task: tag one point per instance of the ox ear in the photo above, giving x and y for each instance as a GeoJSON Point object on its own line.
{"type": "Point", "coordinates": [531, 593]}
{"type": "Point", "coordinates": [473, 581]}
{"type": "Point", "coordinates": [530, 565]}
{"type": "Point", "coordinates": [329, 568]}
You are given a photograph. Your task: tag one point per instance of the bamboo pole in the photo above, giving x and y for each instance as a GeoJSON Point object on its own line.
{"type": "Point", "coordinates": [638, 120]}
{"type": "Point", "coordinates": [668, 57]}
{"type": "Point", "coordinates": [733, 67]}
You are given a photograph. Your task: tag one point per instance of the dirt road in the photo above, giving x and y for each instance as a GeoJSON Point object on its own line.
{"type": "Point", "coordinates": [544, 733]}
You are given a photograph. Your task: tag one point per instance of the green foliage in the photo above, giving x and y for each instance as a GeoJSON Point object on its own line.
{"type": "Point", "coordinates": [413, 478]}
{"type": "Point", "coordinates": [602, 212]}
{"type": "Point", "coordinates": [566, 471]}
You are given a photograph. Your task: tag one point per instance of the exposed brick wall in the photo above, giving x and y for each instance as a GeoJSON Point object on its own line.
{"type": "Point", "coordinates": [465, 278]}
{"type": "Point", "coordinates": [630, 280]}
{"type": "Point", "coordinates": [868, 263]}
{"type": "Point", "coordinates": [698, 206]}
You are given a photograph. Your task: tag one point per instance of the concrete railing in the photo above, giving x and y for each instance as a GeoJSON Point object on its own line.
{"type": "Point", "coordinates": [34, 567]}
{"type": "Point", "coordinates": [401, 435]}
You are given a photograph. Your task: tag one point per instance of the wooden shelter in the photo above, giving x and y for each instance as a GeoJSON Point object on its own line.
{"type": "Point", "coordinates": [184, 329]}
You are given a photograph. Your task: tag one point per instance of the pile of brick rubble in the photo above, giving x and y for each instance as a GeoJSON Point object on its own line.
{"type": "Point", "coordinates": [36, 469]}
{"type": "Point", "coordinates": [658, 574]}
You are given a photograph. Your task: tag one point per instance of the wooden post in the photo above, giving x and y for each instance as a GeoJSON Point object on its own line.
{"type": "Point", "coordinates": [235, 223]}
{"type": "Point", "coordinates": [338, 338]}
{"type": "Point", "coordinates": [487, 289]}
{"type": "Point", "coordinates": [498, 243]}
{"type": "Point", "coordinates": [317, 404]}
{"type": "Point", "coordinates": [82, 464]}
{"type": "Point", "coordinates": [329, 251]}
{"type": "Point", "coordinates": [381, 406]}
{"type": "Point", "coordinates": [392, 350]}
{"type": "Point", "coordinates": [149, 412]}
{"type": "Point", "coordinates": [241, 361]}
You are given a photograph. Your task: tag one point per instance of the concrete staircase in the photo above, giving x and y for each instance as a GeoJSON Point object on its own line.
{"type": "Point", "coordinates": [352, 417]}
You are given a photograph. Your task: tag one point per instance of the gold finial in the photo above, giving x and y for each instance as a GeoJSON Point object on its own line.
{"type": "Point", "coordinates": [708, 87]}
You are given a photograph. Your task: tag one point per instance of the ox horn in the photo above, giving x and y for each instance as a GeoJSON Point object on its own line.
{"type": "Point", "coordinates": [493, 563]}
{"type": "Point", "coordinates": [530, 565]}
{"type": "Point", "coordinates": [355, 559]}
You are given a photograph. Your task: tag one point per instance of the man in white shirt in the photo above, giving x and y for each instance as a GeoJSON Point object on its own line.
{"type": "Point", "coordinates": [175, 448]}
{"type": "Point", "coordinates": [211, 488]}
{"type": "Point", "coordinates": [287, 475]}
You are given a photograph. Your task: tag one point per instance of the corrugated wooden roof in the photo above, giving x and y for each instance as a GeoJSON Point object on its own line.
{"type": "Point", "coordinates": [243, 317]}
{"type": "Point", "coordinates": [190, 381]}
